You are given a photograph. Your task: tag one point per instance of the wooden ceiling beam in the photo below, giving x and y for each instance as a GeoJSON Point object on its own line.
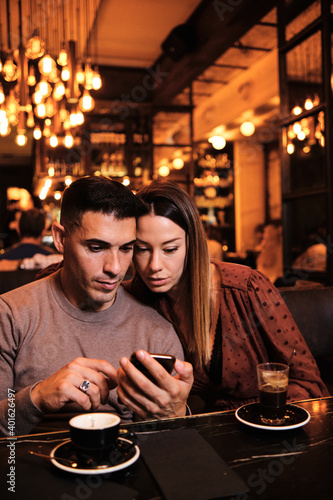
{"type": "Point", "coordinates": [217, 25]}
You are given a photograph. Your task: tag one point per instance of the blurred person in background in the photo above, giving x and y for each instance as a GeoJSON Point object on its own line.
{"type": "Point", "coordinates": [31, 228]}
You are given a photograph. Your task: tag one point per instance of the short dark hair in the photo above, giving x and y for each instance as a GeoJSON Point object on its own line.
{"type": "Point", "coordinates": [32, 223]}
{"type": "Point", "coordinates": [98, 194]}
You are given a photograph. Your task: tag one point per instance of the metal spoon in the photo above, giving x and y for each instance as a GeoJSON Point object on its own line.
{"type": "Point", "coordinates": [291, 357]}
{"type": "Point", "coordinates": [73, 463]}
{"type": "Point", "coordinates": [70, 462]}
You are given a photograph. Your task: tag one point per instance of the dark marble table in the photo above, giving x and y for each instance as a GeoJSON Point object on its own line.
{"type": "Point", "coordinates": [282, 465]}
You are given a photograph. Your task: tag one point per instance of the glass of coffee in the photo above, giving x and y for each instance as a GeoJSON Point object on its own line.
{"type": "Point", "coordinates": [273, 386]}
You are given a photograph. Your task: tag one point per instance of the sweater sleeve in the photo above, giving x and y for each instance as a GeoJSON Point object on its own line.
{"type": "Point", "coordinates": [18, 414]}
{"type": "Point", "coordinates": [273, 322]}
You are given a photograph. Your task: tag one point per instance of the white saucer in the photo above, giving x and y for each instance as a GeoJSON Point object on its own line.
{"type": "Point", "coordinates": [295, 417]}
{"type": "Point", "coordinates": [67, 450]}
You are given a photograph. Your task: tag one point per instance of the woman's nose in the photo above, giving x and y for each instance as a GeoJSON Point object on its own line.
{"type": "Point", "coordinates": [155, 262]}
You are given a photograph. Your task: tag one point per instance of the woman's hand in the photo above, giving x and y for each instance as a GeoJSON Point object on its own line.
{"type": "Point", "coordinates": [149, 400]}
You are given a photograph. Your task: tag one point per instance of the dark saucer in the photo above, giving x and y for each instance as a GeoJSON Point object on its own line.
{"type": "Point", "coordinates": [122, 455]}
{"type": "Point", "coordinates": [295, 416]}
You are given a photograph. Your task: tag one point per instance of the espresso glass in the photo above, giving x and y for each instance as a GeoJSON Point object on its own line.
{"type": "Point", "coordinates": [273, 386]}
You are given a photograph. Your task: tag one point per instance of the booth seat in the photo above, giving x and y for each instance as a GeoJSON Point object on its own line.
{"type": "Point", "coordinates": [312, 309]}
{"type": "Point", "coordinates": [13, 279]}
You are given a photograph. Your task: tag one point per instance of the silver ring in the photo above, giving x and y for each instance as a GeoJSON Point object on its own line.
{"type": "Point", "coordinates": [84, 386]}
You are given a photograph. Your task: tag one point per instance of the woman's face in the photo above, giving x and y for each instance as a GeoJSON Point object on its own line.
{"type": "Point", "coordinates": [160, 252]}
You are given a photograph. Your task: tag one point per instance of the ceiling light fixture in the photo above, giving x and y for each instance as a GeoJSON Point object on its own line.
{"type": "Point", "coordinates": [247, 128]}
{"type": "Point", "coordinates": [218, 142]}
{"type": "Point", "coordinates": [54, 74]}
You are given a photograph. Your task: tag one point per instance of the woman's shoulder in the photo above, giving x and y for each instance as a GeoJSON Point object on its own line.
{"type": "Point", "coordinates": [239, 276]}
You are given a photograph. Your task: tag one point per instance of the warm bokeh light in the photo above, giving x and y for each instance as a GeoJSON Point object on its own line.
{"type": "Point", "coordinates": [247, 128]}
{"type": "Point", "coordinates": [178, 163]}
{"type": "Point", "coordinates": [164, 171]}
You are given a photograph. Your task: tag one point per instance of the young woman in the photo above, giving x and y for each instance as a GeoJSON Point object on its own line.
{"type": "Point", "coordinates": [229, 317]}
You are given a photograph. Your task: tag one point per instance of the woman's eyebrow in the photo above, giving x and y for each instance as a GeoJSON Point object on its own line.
{"type": "Point", "coordinates": [163, 242]}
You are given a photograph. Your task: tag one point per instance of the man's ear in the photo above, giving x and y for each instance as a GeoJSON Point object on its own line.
{"type": "Point", "coordinates": [58, 234]}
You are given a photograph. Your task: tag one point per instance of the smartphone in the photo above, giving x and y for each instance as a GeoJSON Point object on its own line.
{"type": "Point", "coordinates": [166, 360]}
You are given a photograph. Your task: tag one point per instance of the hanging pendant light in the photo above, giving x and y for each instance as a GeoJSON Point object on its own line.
{"type": "Point", "coordinates": [86, 102]}
{"type": "Point", "coordinates": [53, 141]}
{"type": "Point", "coordinates": [96, 81]}
{"type": "Point", "coordinates": [79, 73]}
{"type": "Point", "coordinates": [9, 70]}
{"type": "Point", "coordinates": [88, 76]}
{"type": "Point", "coordinates": [2, 95]}
{"type": "Point", "coordinates": [65, 74]}
{"type": "Point", "coordinates": [68, 140]}
{"type": "Point", "coordinates": [35, 47]}
{"type": "Point", "coordinates": [62, 58]}
{"type": "Point", "coordinates": [37, 133]}
{"type": "Point", "coordinates": [46, 65]}
{"type": "Point", "coordinates": [31, 80]}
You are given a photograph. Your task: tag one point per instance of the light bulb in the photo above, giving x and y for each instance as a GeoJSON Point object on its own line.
{"type": "Point", "coordinates": [40, 110]}
{"type": "Point", "coordinates": [68, 140]}
{"type": "Point", "coordinates": [46, 65]}
{"type": "Point", "coordinates": [65, 74]}
{"type": "Point", "coordinates": [79, 117]}
{"type": "Point", "coordinates": [44, 88]}
{"type": "Point", "coordinates": [37, 133]}
{"type": "Point", "coordinates": [79, 74]}
{"type": "Point", "coordinates": [126, 181]}
{"type": "Point", "coordinates": [308, 104]}
{"type": "Point", "coordinates": [62, 58]}
{"type": "Point", "coordinates": [247, 128]}
{"type": "Point", "coordinates": [53, 141]}
{"type": "Point", "coordinates": [21, 140]}
{"type": "Point", "coordinates": [50, 107]}
{"type": "Point", "coordinates": [297, 110]}
{"type": "Point", "coordinates": [73, 119]}
{"type": "Point", "coordinates": [164, 171]}
{"type": "Point", "coordinates": [290, 148]}
{"type": "Point", "coordinates": [218, 142]}
{"type": "Point", "coordinates": [47, 132]}
{"type": "Point", "coordinates": [37, 97]}
{"type": "Point", "coordinates": [2, 95]}
{"type": "Point", "coordinates": [178, 163]}
{"type": "Point", "coordinates": [63, 114]}
{"type": "Point", "coordinates": [297, 128]}
{"type": "Point", "coordinates": [31, 80]}
{"type": "Point", "coordinates": [88, 76]}
{"type": "Point", "coordinates": [3, 116]}
{"type": "Point", "coordinates": [4, 129]}
{"type": "Point", "coordinates": [30, 120]}
{"type": "Point", "coordinates": [96, 80]}
{"type": "Point", "coordinates": [9, 70]}
{"type": "Point", "coordinates": [59, 89]}
{"type": "Point", "coordinates": [86, 103]}
{"type": "Point", "coordinates": [35, 48]}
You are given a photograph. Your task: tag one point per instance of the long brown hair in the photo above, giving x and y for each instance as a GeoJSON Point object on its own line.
{"type": "Point", "coordinates": [167, 199]}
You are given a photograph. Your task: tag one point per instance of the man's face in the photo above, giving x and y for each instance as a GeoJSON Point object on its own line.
{"type": "Point", "coordinates": [96, 257]}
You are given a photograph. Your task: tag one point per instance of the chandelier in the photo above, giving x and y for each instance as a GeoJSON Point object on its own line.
{"type": "Point", "coordinates": [45, 84]}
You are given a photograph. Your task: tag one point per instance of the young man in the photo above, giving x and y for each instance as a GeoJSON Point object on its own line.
{"type": "Point", "coordinates": [61, 337]}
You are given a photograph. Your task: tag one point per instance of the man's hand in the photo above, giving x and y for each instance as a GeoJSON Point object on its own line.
{"type": "Point", "coordinates": [146, 399]}
{"type": "Point", "coordinates": [63, 386]}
